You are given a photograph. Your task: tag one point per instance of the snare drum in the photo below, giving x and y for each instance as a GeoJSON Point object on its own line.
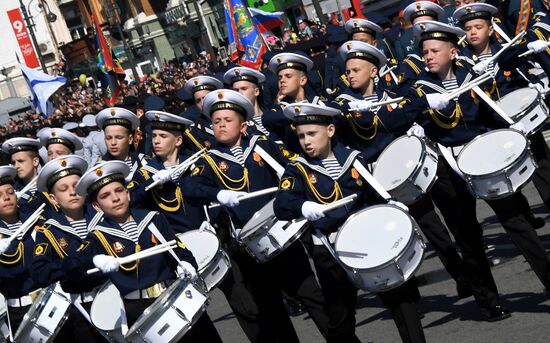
{"type": "Point", "coordinates": [496, 164]}
{"type": "Point", "coordinates": [407, 168]}
{"type": "Point", "coordinates": [380, 247]}
{"type": "Point", "coordinates": [45, 317]}
{"type": "Point", "coordinates": [264, 236]}
{"type": "Point", "coordinates": [106, 312]}
{"type": "Point", "coordinates": [525, 105]}
{"type": "Point", "coordinates": [171, 315]}
{"type": "Point", "coordinates": [213, 262]}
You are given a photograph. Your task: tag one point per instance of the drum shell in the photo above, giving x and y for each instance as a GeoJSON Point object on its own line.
{"type": "Point", "coordinates": [533, 117]}
{"type": "Point", "coordinates": [216, 270]}
{"type": "Point", "coordinates": [393, 273]}
{"type": "Point", "coordinates": [171, 315]}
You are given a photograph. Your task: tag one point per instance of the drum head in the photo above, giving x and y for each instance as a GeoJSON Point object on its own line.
{"type": "Point", "coordinates": [204, 245]}
{"type": "Point", "coordinates": [262, 215]}
{"type": "Point", "coordinates": [106, 310]}
{"type": "Point", "coordinates": [517, 101]}
{"type": "Point", "coordinates": [491, 152]}
{"type": "Point", "coordinates": [398, 161]}
{"type": "Point", "coordinates": [374, 236]}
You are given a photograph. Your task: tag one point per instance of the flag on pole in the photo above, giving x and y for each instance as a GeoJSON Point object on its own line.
{"type": "Point", "coordinates": [110, 72]}
{"type": "Point", "coordinates": [245, 40]}
{"type": "Point", "coordinates": [266, 21]}
{"type": "Point", "coordinates": [42, 87]}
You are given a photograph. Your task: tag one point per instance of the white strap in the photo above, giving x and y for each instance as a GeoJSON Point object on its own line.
{"type": "Point", "coordinates": [279, 169]}
{"type": "Point", "coordinates": [371, 180]}
{"type": "Point", "coordinates": [501, 32]}
{"type": "Point", "coordinates": [450, 159]}
{"type": "Point", "coordinates": [492, 104]}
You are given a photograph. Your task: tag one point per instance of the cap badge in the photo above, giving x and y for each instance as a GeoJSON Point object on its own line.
{"type": "Point", "coordinates": [220, 95]}
{"type": "Point", "coordinates": [63, 163]}
{"type": "Point", "coordinates": [99, 172]}
{"type": "Point", "coordinates": [113, 112]}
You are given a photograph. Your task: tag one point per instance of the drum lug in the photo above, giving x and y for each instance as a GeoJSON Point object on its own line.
{"type": "Point", "coordinates": [421, 238]}
{"type": "Point", "coordinates": [399, 270]}
{"type": "Point", "coordinates": [357, 279]}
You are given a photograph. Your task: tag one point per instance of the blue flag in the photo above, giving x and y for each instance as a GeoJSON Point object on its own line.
{"type": "Point", "coordinates": [42, 87]}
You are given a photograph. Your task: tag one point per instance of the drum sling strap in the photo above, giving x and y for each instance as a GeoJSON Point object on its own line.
{"type": "Point", "coordinates": [279, 169]}
{"type": "Point", "coordinates": [450, 159]}
{"type": "Point", "coordinates": [371, 180]}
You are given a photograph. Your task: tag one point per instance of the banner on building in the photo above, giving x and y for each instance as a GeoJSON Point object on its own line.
{"type": "Point", "coordinates": [23, 38]}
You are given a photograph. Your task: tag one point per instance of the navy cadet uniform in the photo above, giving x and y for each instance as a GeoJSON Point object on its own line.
{"type": "Point", "coordinates": [456, 124]}
{"type": "Point", "coordinates": [58, 238]}
{"type": "Point", "coordinates": [16, 283]}
{"type": "Point", "coordinates": [308, 180]}
{"type": "Point", "coordinates": [370, 132]}
{"type": "Point", "coordinates": [236, 74]}
{"type": "Point", "coordinates": [270, 89]}
{"type": "Point", "coordinates": [274, 120]}
{"type": "Point", "coordinates": [13, 146]}
{"type": "Point", "coordinates": [200, 134]}
{"type": "Point", "coordinates": [166, 198]}
{"type": "Point", "coordinates": [224, 170]}
{"type": "Point", "coordinates": [142, 281]}
{"type": "Point", "coordinates": [413, 63]}
{"type": "Point", "coordinates": [334, 66]}
{"type": "Point", "coordinates": [128, 120]}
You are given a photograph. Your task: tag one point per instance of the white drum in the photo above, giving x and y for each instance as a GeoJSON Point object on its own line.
{"type": "Point", "coordinates": [407, 168]}
{"type": "Point", "coordinates": [379, 247]}
{"type": "Point", "coordinates": [525, 105]}
{"type": "Point", "coordinates": [4, 329]}
{"type": "Point", "coordinates": [496, 164]}
{"type": "Point", "coordinates": [171, 315]}
{"type": "Point", "coordinates": [45, 317]}
{"type": "Point", "coordinates": [264, 236]}
{"type": "Point", "coordinates": [107, 313]}
{"type": "Point", "coordinates": [212, 261]}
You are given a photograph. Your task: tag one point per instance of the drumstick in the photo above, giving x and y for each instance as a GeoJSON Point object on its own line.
{"type": "Point", "coordinates": [340, 203]}
{"type": "Point", "coordinates": [387, 102]}
{"type": "Point", "coordinates": [493, 105]}
{"type": "Point", "coordinates": [181, 167]}
{"type": "Point", "coordinates": [530, 52]}
{"type": "Point", "coordinates": [506, 46]}
{"type": "Point", "coordinates": [30, 221]}
{"type": "Point", "coordinates": [387, 71]}
{"type": "Point", "coordinates": [28, 186]}
{"type": "Point", "coordinates": [250, 195]}
{"type": "Point", "coordinates": [466, 87]}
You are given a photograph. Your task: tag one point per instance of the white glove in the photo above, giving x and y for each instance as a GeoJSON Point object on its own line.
{"type": "Point", "coordinates": [538, 87]}
{"type": "Point", "coordinates": [312, 211]}
{"type": "Point", "coordinates": [481, 67]}
{"type": "Point", "coordinates": [4, 245]}
{"type": "Point", "coordinates": [106, 263]}
{"type": "Point", "coordinates": [398, 204]}
{"type": "Point", "coordinates": [229, 198]}
{"type": "Point", "coordinates": [163, 176]}
{"type": "Point", "coordinates": [360, 105]}
{"type": "Point", "coordinates": [537, 46]}
{"type": "Point", "coordinates": [437, 101]}
{"type": "Point", "coordinates": [416, 130]}
{"type": "Point", "coordinates": [205, 226]}
{"type": "Point", "coordinates": [186, 271]}
{"type": "Point", "coordinates": [520, 127]}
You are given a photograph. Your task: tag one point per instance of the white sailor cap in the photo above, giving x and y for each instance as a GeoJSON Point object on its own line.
{"type": "Point", "coordinates": [306, 113]}
{"type": "Point", "coordinates": [51, 136]}
{"type": "Point", "coordinates": [243, 74]}
{"type": "Point", "coordinates": [428, 29]}
{"type": "Point", "coordinates": [100, 175]}
{"type": "Point", "coordinates": [17, 144]}
{"type": "Point", "coordinates": [356, 49]}
{"type": "Point", "coordinates": [285, 60]}
{"type": "Point", "coordinates": [117, 116]}
{"type": "Point", "coordinates": [226, 99]}
{"type": "Point", "coordinates": [89, 120]}
{"type": "Point", "coordinates": [202, 82]}
{"type": "Point", "coordinates": [423, 8]}
{"type": "Point", "coordinates": [474, 11]}
{"type": "Point", "coordinates": [7, 175]}
{"type": "Point", "coordinates": [356, 25]}
{"type": "Point", "coordinates": [70, 126]}
{"type": "Point", "coordinates": [167, 121]}
{"type": "Point", "coordinates": [58, 168]}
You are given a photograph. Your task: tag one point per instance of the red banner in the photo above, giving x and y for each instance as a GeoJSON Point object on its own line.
{"type": "Point", "coordinates": [23, 38]}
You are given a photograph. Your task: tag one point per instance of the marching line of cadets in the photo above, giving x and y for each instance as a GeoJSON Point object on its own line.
{"type": "Point", "coordinates": [125, 215]}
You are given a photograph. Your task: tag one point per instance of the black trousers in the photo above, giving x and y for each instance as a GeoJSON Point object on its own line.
{"type": "Point", "coordinates": [202, 331]}
{"type": "Point", "coordinates": [541, 177]}
{"type": "Point", "coordinates": [78, 327]}
{"type": "Point", "coordinates": [296, 279]}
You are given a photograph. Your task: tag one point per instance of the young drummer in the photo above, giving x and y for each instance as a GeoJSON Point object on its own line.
{"type": "Point", "coordinates": [24, 157]}
{"type": "Point", "coordinates": [321, 175]}
{"type": "Point", "coordinates": [231, 168]}
{"type": "Point", "coordinates": [16, 283]}
{"type": "Point", "coordinates": [59, 142]}
{"type": "Point", "coordinates": [60, 236]}
{"type": "Point", "coordinates": [124, 231]}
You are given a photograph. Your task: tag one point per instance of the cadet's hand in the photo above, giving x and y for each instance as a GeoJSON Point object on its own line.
{"type": "Point", "coordinates": [205, 226]}
{"type": "Point", "coordinates": [416, 130]}
{"type": "Point", "coordinates": [437, 101]}
{"type": "Point", "coordinates": [229, 198]}
{"type": "Point", "coordinates": [538, 87]}
{"type": "Point", "coordinates": [537, 46]}
{"type": "Point", "coordinates": [312, 211]}
{"type": "Point", "coordinates": [520, 127]}
{"type": "Point", "coordinates": [4, 245]}
{"type": "Point", "coordinates": [186, 271]}
{"type": "Point", "coordinates": [163, 176]}
{"type": "Point", "coordinates": [398, 204]}
{"type": "Point", "coordinates": [106, 263]}
{"type": "Point", "coordinates": [360, 105]}
{"type": "Point", "coordinates": [481, 67]}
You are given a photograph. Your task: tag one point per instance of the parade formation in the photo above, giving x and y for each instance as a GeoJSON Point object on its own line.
{"type": "Point", "coordinates": [298, 183]}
